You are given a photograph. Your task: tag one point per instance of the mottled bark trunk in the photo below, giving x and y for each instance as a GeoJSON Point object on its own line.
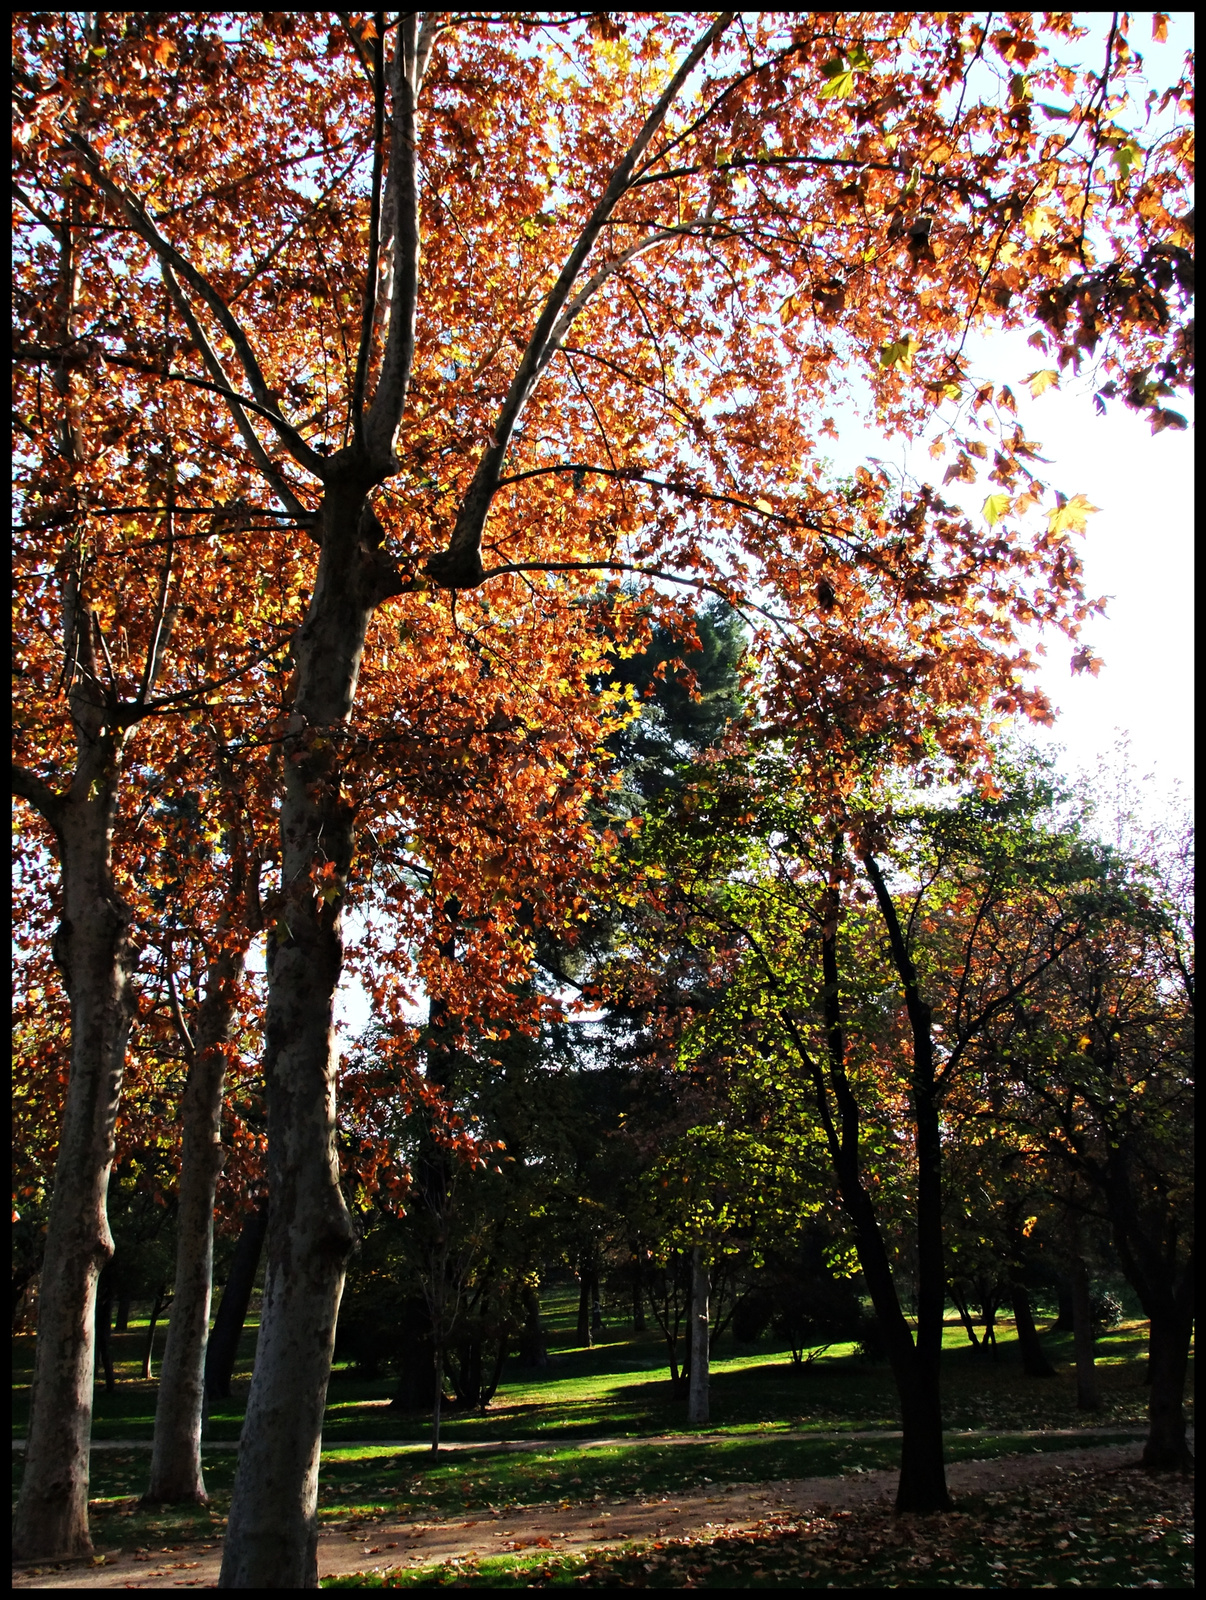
{"type": "Point", "coordinates": [1088, 1390]}
{"type": "Point", "coordinates": [1166, 1449]}
{"type": "Point", "coordinates": [223, 1346]}
{"type": "Point", "coordinates": [93, 951]}
{"type": "Point", "coordinates": [1034, 1358]}
{"type": "Point", "coordinates": [272, 1536]}
{"type": "Point", "coordinates": [176, 1474]}
{"type": "Point", "coordinates": [697, 1390]}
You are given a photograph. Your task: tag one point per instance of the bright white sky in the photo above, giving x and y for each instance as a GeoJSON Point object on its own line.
{"type": "Point", "coordinates": [1138, 549]}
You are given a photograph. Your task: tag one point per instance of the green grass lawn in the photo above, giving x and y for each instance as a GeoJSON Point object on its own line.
{"type": "Point", "coordinates": [617, 1390]}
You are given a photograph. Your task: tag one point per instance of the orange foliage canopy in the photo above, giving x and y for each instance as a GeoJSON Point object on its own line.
{"type": "Point", "coordinates": [826, 205]}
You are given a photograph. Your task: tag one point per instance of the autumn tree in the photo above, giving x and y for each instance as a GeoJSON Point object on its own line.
{"type": "Point", "coordinates": [485, 308]}
{"type": "Point", "coordinates": [1100, 1061]}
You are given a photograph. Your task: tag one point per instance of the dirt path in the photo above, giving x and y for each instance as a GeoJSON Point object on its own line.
{"type": "Point", "coordinates": [581, 1527]}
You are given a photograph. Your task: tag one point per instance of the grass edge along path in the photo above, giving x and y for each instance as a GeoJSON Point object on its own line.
{"type": "Point", "coordinates": [1082, 1518]}
{"type": "Point", "coordinates": [1079, 1523]}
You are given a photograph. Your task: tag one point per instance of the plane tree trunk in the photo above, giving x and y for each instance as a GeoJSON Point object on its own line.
{"type": "Point", "coordinates": [176, 1474]}
{"type": "Point", "coordinates": [93, 952]}
{"type": "Point", "coordinates": [272, 1535]}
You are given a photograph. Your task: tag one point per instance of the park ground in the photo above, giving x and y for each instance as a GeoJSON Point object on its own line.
{"type": "Point", "coordinates": [584, 1475]}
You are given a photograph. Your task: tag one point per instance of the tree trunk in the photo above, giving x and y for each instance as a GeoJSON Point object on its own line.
{"type": "Point", "coordinates": [162, 1301]}
{"type": "Point", "coordinates": [1034, 1358]}
{"type": "Point", "coordinates": [584, 1298]}
{"type": "Point", "coordinates": [437, 1399]}
{"type": "Point", "coordinates": [121, 1322]}
{"type": "Point", "coordinates": [959, 1302]}
{"type": "Point", "coordinates": [915, 1366]}
{"type": "Point", "coordinates": [221, 1351]}
{"type": "Point", "coordinates": [104, 1317]}
{"type": "Point", "coordinates": [638, 1307]}
{"type": "Point", "coordinates": [533, 1352]}
{"type": "Point", "coordinates": [1088, 1390]}
{"type": "Point", "coordinates": [697, 1391]}
{"type": "Point", "coordinates": [1166, 1449]}
{"type": "Point", "coordinates": [176, 1475]}
{"type": "Point", "coordinates": [93, 951]}
{"type": "Point", "coordinates": [176, 1453]}
{"type": "Point", "coordinates": [1065, 1321]}
{"type": "Point", "coordinates": [272, 1537]}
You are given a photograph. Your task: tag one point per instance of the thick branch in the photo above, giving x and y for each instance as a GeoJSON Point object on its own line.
{"type": "Point", "coordinates": [402, 205]}
{"type": "Point", "coordinates": [29, 787]}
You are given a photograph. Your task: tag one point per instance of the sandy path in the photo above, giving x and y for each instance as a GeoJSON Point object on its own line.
{"type": "Point", "coordinates": [728, 1508]}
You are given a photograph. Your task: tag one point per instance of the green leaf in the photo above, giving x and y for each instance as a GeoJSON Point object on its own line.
{"type": "Point", "coordinates": [899, 354]}
{"type": "Point", "coordinates": [840, 85]}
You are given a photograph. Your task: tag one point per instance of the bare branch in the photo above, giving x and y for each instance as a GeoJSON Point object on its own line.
{"type": "Point", "coordinates": [457, 566]}
{"type": "Point", "coordinates": [157, 643]}
{"type": "Point", "coordinates": [171, 259]}
{"type": "Point", "coordinates": [250, 438]}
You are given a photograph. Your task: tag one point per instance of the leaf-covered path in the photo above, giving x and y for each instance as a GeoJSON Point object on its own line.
{"type": "Point", "coordinates": [570, 1527]}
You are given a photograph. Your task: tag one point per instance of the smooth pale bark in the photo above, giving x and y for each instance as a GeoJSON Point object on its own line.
{"type": "Point", "coordinates": [1088, 1389]}
{"type": "Point", "coordinates": [223, 1346]}
{"type": "Point", "coordinates": [159, 1305]}
{"type": "Point", "coordinates": [272, 1535]}
{"type": "Point", "coordinates": [697, 1384]}
{"type": "Point", "coordinates": [92, 948]}
{"type": "Point", "coordinates": [176, 1474]}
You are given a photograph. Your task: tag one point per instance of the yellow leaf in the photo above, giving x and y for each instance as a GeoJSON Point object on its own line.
{"type": "Point", "coordinates": [1039, 382]}
{"type": "Point", "coordinates": [765, 505]}
{"type": "Point", "coordinates": [1072, 516]}
{"type": "Point", "coordinates": [995, 508]}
